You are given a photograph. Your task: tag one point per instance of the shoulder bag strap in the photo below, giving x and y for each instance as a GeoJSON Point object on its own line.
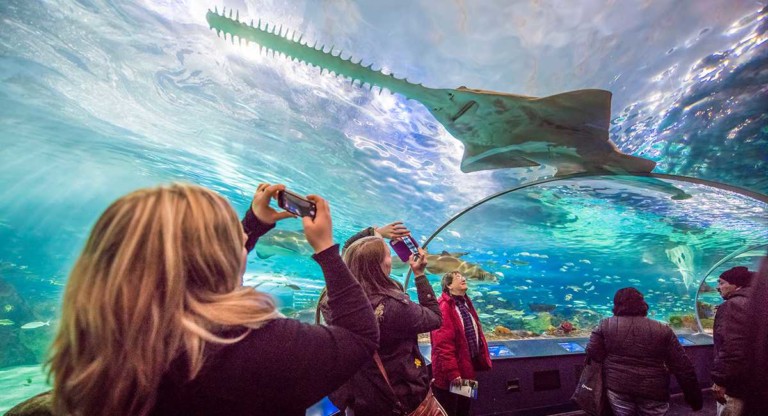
{"type": "Point", "coordinates": [379, 364]}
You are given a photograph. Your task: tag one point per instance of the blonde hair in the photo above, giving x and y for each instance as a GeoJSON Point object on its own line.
{"type": "Point", "coordinates": [159, 276]}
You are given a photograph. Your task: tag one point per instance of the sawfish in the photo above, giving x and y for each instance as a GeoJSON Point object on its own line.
{"type": "Point", "coordinates": [568, 131]}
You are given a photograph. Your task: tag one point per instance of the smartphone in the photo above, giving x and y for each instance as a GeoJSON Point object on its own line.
{"type": "Point", "coordinates": [405, 247]}
{"type": "Point", "coordinates": [296, 204]}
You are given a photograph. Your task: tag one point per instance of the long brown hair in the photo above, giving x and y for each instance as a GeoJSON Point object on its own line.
{"type": "Point", "coordinates": [364, 257]}
{"type": "Point", "coordinates": [159, 276]}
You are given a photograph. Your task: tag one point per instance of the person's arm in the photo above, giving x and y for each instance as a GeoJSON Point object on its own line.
{"type": "Point", "coordinates": [404, 320]}
{"type": "Point", "coordinates": [254, 228]}
{"type": "Point", "coordinates": [444, 345]}
{"type": "Point", "coordinates": [596, 346]}
{"type": "Point", "coordinates": [260, 217]}
{"type": "Point", "coordinates": [325, 357]}
{"type": "Point", "coordinates": [368, 232]}
{"type": "Point", "coordinates": [392, 230]}
{"type": "Point", "coordinates": [731, 363]}
{"type": "Point", "coordinates": [679, 365]}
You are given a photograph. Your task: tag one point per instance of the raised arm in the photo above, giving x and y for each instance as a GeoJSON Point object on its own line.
{"type": "Point", "coordinates": [260, 217]}
{"type": "Point", "coordinates": [409, 319]}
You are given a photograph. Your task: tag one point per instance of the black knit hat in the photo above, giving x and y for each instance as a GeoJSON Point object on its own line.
{"type": "Point", "coordinates": [739, 276]}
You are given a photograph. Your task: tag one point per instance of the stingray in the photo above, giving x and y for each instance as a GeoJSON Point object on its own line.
{"type": "Point", "coordinates": [282, 243]}
{"type": "Point", "coordinates": [568, 131]}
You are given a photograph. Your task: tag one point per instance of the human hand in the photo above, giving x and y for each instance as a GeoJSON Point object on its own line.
{"type": "Point", "coordinates": [719, 393]}
{"type": "Point", "coordinates": [456, 382]}
{"type": "Point", "coordinates": [260, 204]}
{"type": "Point", "coordinates": [418, 262]}
{"type": "Point", "coordinates": [393, 230]}
{"type": "Point", "coordinates": [319, 231]}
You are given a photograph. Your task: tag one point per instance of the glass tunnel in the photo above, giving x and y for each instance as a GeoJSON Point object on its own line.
{"type": "Point", "coordinates": [557, 250]}
{"type": "Point", "coordinates": [99, 98]}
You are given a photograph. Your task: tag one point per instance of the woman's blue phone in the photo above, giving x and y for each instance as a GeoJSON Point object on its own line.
{"type": "Point", "coordinates": [404, 247]}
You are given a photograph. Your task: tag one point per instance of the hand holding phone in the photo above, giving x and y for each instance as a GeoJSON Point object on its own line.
{"type": "Point", "coordinates": [296, 204]}
{"type": "Point", "coordinates": [418, 262]}
{"type": "Point", "coordinates": [260, 204]}
{"type": "Point", "coordinates": [319, 229]}
{"type": "Point", "coordinates": [404, 247]}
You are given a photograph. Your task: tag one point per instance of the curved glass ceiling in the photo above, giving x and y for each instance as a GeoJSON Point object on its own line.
{"type": "Point", "coordinates": [559, 250]}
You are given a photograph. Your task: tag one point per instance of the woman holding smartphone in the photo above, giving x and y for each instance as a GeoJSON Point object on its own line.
{"type": "Point", "coordinates": [156, 320]}
{"type": "Point", "coordinates": [400, 321]}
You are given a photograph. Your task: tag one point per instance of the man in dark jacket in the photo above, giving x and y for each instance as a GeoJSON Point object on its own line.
{"type": "Point", "coordinates": [637, 355]}
{"type": "Point", "coordinates": [732, 336]}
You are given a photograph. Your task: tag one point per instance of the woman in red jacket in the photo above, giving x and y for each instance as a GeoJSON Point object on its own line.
{"type": "Point", "coordinates": [458, 347]}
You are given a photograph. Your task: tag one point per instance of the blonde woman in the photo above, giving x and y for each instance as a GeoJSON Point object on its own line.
{"type": "Point", "coordinates": [156, 320]}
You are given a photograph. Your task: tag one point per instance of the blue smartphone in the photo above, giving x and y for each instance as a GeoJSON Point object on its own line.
{"type": "Point", "coordinates": [404, 247]}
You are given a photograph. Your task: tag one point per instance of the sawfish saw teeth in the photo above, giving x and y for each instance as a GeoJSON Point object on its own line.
{"type": "Point", "coordinates": [348, 68]}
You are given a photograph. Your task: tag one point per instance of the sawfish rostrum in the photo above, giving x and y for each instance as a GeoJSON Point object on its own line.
{"type": "Point", "coordinates": [568, 131]}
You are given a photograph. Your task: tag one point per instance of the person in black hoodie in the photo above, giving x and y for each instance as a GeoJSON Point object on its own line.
{"type": "Point", "coordinates": [732, 332]}
{"type": "Point", "coordinates": [637, 355]}
{"type": "Point", "coordinates": [400, 321]}
{"type": "Point", "coordinates": [156, 319]}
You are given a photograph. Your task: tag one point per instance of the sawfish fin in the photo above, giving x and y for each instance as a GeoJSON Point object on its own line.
{"type": "Point", "coordinates": [588, 110]}
{"type": "Point", "coordinates": [477, 158]}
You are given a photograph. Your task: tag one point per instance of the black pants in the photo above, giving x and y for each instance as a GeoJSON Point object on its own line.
{"type": "Point", "coordinates": [454, 404]}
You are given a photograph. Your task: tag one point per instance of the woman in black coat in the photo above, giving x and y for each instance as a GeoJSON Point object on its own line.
{"type": "Point", "coordinates": [400, 321]}
{"type": "Point", "coordinates": [637, 355]}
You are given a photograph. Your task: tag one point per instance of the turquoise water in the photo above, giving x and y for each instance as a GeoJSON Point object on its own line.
{"type": "Point", "coordinates": [98, 98]}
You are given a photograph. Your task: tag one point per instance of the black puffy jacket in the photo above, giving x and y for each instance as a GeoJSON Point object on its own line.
{"type": "Point", "coordinates": [732, 337]}
{"type": "Point", "coordinates": [638, 354]}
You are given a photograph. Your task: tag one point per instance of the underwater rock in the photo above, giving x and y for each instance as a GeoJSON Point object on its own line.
{"type": "Point", "coordinates": [539, 324]}
{"type": "Point", "coordinates": [705, 310]}
{"type": "Point", "coordinates": [502, 330]}
{"type": "Point", "coordinates": [675, 321]}
{"type": "Point", "coordinates": [542, 307]}
{"type": "Point", "coordinates": [706, 288]}
{"type": "Point", "coordinates": [19, 346]}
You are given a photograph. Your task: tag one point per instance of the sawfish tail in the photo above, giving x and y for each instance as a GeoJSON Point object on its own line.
{"type": "Point", "coordinates": [278, 41]}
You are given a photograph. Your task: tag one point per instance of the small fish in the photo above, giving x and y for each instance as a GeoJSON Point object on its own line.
{"type": "Point", "coordinates": [585, 261]}
{"type": "Point", "coordinates": [494, 292]}
{"type": "Point", "coordinates": [568, 297]}
{"type": "Point", "coordinates": [35, 324]}
{"type": "Point", "coordinates": [6, 322]}
{"type": "Point", "coordinates": [519, 262]}
{"type": "Point", "coordinates": [292, 286]}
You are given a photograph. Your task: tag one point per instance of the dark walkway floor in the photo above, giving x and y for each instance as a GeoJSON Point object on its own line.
{"type": "Point", "coordinates": [678, 407]}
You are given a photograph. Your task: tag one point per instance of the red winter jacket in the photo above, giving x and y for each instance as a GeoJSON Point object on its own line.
{"type": "Point", "coordinates": [450, 351]}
